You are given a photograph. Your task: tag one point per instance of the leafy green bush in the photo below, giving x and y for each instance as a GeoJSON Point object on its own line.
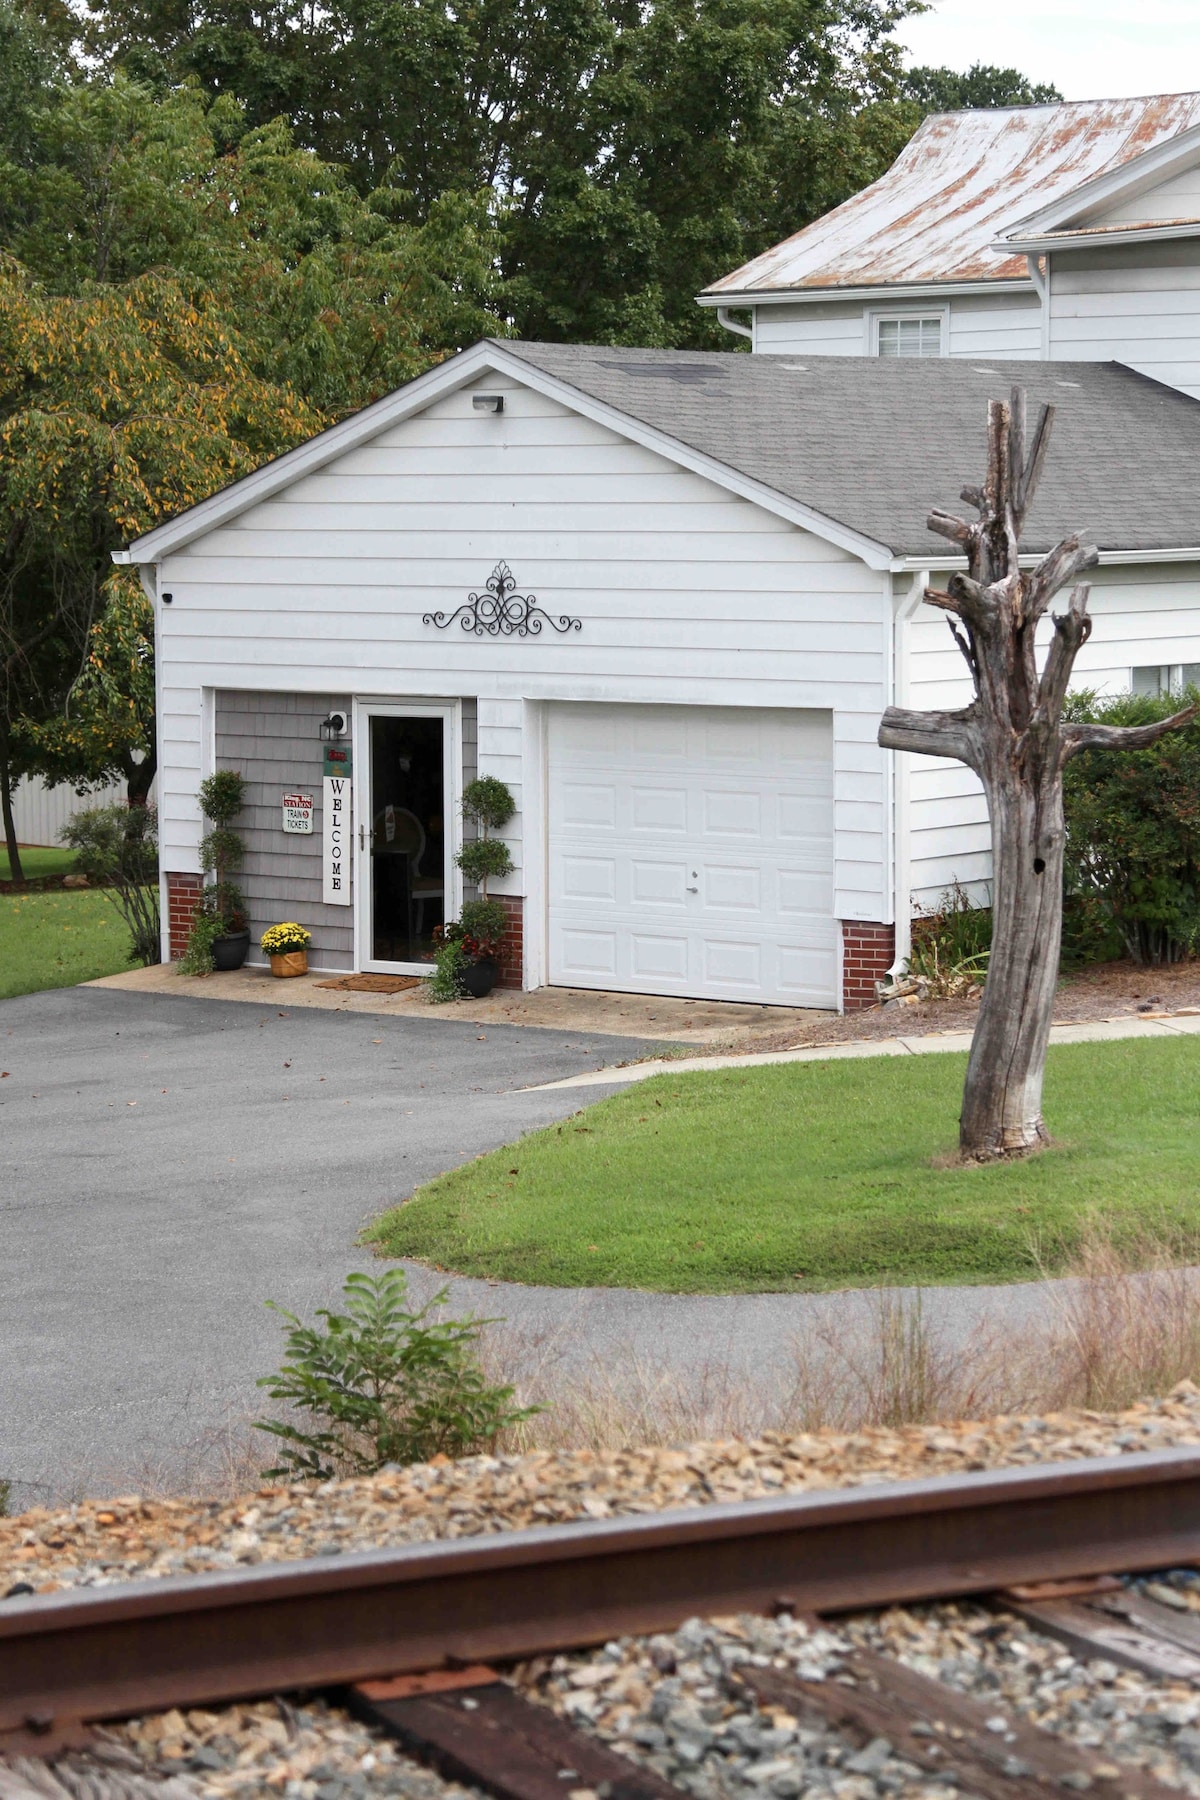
{"type": "Point", "coordinates": [197, 958]}
{"type": "Point", "coordinates": [1133, 835]}
{"type": "Point", "coordinates": [484, 857]}
{"type": "Point", "coordinates": [449, 962]}
{"type": "Point", "coordinates": [222, 796]}
{"type": "Point", "coordinates": [384, 1383]}
{"type": "Point", "coordinates": [488, 801]}
{"type": "Point", "coordinates": [951, 945]}
{"type": "Point", "coordinates": [116, 847]}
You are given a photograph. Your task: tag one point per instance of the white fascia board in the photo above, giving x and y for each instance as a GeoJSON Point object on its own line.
{"type": "Point", "coordinates": [881, 290]}
{"type": "Point", "coordinates": [446, 378]}
{"type": "Point", "coordinates": [1029, 559]}
{"type": "Point", "coordinates": [1083, 239]}
{"type": "Point", "coordinates": [1131, 179]}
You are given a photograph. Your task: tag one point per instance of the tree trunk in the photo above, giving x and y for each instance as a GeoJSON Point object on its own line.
{"type": "Point", "coordinates": [10, 828]}
{"type": "Point", "coordinates": [1013, 736]}
{"type": "Point", "coordinates": [139, 778]}
{"type": "Point", "coordinates": [1002, 1097]}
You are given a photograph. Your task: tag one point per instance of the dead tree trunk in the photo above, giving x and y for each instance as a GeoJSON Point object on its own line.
{"type": "Point", "coordinates": [1013, 736]}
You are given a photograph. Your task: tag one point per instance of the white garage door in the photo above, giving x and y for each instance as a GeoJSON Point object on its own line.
{"type": "Point", "coordinates": [691, 852]}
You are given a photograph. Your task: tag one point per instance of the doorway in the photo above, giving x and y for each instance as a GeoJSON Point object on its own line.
{"type": "Point", "coordinates": [405, 882]}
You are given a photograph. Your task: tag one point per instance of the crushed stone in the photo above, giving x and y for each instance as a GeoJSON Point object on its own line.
{"type": "Point", "coordinates": [94, 1543]}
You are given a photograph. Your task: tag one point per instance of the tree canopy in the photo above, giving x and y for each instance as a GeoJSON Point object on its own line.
{"type": "Point", "coordinates": [222, 228]}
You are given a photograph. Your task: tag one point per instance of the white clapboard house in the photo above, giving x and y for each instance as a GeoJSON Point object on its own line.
{"type": "Point", "coordinates": [665, 596]}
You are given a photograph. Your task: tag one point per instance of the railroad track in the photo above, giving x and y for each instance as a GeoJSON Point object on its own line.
{"type": "Point", "coordinates": [410, 1637]}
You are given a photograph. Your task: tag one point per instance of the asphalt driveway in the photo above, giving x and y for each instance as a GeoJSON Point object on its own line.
{"type": "Point", "coordinates": [167, 1166]}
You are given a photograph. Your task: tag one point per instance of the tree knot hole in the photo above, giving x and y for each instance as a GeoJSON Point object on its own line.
{"type": "Point", "coordinates": [1039, 865]}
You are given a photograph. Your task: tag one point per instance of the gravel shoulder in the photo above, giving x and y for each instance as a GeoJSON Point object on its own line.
{"type": "Point", "coordinates": [95, 1543]}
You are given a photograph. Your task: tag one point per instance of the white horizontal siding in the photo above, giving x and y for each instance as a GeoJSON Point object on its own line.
{"type": "Point", "coordinates": [1178, 198]}
{"type": "Point", "coordinates": [1141, 616]}
{"type": "Point", "coordinates": [992, 325]}
{"type": "Point", "coordinates": [686, 595]}
{"type": "Point", "coordinates": [1136, 304]}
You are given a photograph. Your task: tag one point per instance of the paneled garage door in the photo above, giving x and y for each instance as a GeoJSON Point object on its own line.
{"type": "Point", "coordinates": [691, 852]}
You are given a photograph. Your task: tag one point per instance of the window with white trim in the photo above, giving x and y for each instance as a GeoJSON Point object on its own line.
{"type": "Point", "coordinates": [910, 334]}
{"type": "Point", "coordinates": [1164, 678]}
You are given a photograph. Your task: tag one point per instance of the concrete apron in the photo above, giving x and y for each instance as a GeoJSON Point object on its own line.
{"type": "Point", "coordinates": [653, 1016]}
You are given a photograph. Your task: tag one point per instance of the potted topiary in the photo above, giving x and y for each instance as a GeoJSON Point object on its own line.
{"type": "Point", "coordinates": [469, 955]}
{"type": "Point", "coordinates": [286, 946]}
{"type": "Point", "coordinates": [220, 934]}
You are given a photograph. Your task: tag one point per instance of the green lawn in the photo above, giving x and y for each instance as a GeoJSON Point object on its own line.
{"type": "Point", "coordinates": [818, 1175]}
{"type": "Point", "coordinates": [56, 939]}
{"type": "Point", "coordinates": [37, 862]}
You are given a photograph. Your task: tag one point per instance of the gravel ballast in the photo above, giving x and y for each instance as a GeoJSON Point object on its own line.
{"type": "Point", "coordinates": [92, 1544]}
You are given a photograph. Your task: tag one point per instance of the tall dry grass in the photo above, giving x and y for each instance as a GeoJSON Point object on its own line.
{"type": "Point", "coordinates": [1122, 1324]}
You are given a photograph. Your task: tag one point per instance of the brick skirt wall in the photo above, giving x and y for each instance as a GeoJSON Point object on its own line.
{"type": "Point", "coordinates": [512, 951]}
{"type": "Point", "coordinates": [868, 952]}
{"type": "Point", "coordinates": [183, 896]}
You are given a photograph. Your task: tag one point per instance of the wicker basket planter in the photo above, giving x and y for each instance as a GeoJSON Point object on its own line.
{"type": "Point", "coordinates": [292, 962]}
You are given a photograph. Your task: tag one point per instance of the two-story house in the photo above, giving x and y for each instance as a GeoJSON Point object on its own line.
{"type": "Point", "coordinates": [667, 595]}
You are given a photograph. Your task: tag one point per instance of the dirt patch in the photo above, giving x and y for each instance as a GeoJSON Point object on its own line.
{"type": "Point", "coordinates": [1100, 991]}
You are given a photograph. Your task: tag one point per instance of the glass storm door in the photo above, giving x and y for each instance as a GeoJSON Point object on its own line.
{"type": "Point", "coordinates": [404, 868]}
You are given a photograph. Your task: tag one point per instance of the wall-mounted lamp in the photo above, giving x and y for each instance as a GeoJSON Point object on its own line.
{"type": "Point", "coordinates": [333, 728]}
{"type": "Point", "coordinates": [493, 403]}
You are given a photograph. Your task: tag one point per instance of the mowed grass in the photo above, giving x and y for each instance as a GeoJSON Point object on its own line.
{"type": "Point", "coordinates": [56, 939]}
{"type": "Point", "coordinates": [820, 1175]}
{"type": "Point", "coordinates": [38, 861]}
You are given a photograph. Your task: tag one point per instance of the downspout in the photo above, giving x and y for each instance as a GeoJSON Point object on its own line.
{"type": "Point", "coordinates": [905, 611]}
{"type": "Point", "coordinates": [1040, 277]}
{"type": "Point", "coordinates": [731, 324]}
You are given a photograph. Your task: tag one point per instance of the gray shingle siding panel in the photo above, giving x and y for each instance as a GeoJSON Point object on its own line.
{"type": "Point", "coordinates": [875, 443]}
{"type": "Point", "coordinates": [272, 740]}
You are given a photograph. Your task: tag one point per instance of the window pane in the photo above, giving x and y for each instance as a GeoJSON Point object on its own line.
{"type": "Point", "coordinates": [1149, 681]}
{"type": "Point", "coordinates": [1191, 675]}
{"type": "Point", "coordinates": [910, 337]}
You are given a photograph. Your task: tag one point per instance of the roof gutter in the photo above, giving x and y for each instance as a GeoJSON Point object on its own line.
{"type": "Point", "coordinates": [1085, 239]}
{"type": "Point", "coordinates": [882, 290]}
{"type": "Point", "coordinates": [1029, 559]}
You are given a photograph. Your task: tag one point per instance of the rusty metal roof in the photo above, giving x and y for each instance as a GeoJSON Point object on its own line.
{"type": "Point", "coordinates": [961, 182]}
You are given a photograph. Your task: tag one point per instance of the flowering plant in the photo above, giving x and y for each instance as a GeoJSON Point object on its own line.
{"type": "Point", "coordinates": [285, 939]}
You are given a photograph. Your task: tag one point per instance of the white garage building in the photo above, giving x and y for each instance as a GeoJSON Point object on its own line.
{"type": "Point", "coordinates": [665, 596]}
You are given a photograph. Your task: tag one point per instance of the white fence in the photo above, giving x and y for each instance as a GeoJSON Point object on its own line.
{"type": "Point", "coordinates": [41, 812]}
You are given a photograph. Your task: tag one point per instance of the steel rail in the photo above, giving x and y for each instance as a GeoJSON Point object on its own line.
{"type": "Point", "coordinates": [92, 1653]}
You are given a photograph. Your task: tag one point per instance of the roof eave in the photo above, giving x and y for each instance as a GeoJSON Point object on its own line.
{"type": "Point", "coordinates": [1142, 172]}
{"type": "Point", "coordinates": [1091, 240]}
{"type": "Point", "coordinates": [885, 290]}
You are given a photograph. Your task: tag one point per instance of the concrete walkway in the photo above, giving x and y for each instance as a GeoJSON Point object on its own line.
{"type": "Point", "coordinates": [1093, 1031]}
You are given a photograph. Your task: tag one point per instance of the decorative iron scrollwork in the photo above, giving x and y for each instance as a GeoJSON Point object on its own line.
{"type": "Point", "coordinates": [501, 612]}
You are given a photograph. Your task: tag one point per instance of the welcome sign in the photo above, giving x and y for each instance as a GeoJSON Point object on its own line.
{"type": "Point", "coordinates": [336, 845]}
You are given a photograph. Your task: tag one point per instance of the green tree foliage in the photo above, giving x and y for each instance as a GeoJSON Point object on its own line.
{"type": "Point", "coordinates": [104, 730]}
{"type": "Point", "coordinates": [982, 85]}
{"type": "Point", "coordinates": [1133, 834]}
{"type": "Point", "coordinates": [384, 1382]}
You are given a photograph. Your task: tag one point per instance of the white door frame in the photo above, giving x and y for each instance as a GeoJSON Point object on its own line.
{"type": "Point", "coordinates": [450, 712]}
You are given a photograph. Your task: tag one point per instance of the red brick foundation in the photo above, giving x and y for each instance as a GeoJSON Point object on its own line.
{"type": "Point", "coordinates": [183, 896]}
{"type": "Point", "coordinates": [868, 952]}
{"type": "Point", "coordinates": [512, 951]}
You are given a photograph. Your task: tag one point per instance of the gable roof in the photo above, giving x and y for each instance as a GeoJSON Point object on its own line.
{"type": "Point", "coordinates": [876, 442]}
{"type": "Point", "coordinates": [857, 449]}
{"type": "Point", "coordinates": [963, 181]}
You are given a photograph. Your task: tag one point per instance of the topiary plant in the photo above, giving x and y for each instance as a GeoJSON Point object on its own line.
{"type": "Point", "coordinates": [222, 903]}
{"type": "Point", "coordinates": [489, 802]}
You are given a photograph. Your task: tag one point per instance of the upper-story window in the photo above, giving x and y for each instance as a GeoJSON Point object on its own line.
{"type": "Point", "coordinates": [1165, 678]}
{"type": "Point", "coordinates": [909, 335]}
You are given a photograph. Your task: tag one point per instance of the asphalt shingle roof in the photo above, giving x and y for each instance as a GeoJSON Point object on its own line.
{"type": "Point", "coordinates": [875, 443]}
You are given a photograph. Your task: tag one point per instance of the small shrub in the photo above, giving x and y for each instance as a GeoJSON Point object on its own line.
{"type": "Point", "coordinates": [384, 1383]}
{"type": "Point", "coordinates": [485, 857]}
{"type": "Point", "coordinates": [445, 983]}
{"type": "Point", "coordinates": [116, 847]}
{"type": "Point", "coordinates": [950, 947]}
{"type": "Point", "coordinates": [222, 796]}
{"type": "Point", "coordinates": [197, 958]}
{"type": "Point", "coordinates": [1133, 835]}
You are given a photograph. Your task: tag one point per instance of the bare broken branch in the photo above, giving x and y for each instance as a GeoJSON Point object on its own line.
{"type": "Point", "coordinates": [1121, 737]}
{"type": "Point", "coordinates": [931, 733]}
{"type": "Point", "coordinates": [1072, 630]}
{"type": "Point", "coordinates": [1067, 560]}
{"type": "Point", "coordinates": [1032, 473]}
{"type": "Point", "coordinates": [947, 526]}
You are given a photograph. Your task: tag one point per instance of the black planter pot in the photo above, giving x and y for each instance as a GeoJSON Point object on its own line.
{"type": "Point", "coordinates": [231, 952]}
{"type": "Point", "coordinates": [479, 978]}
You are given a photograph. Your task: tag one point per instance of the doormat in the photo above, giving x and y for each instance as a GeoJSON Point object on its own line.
{"type": "Point", "coordinates": [373, 984]}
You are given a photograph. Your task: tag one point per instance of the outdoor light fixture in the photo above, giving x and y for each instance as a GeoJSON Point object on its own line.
{"type": "Point", "coordinates": [333, 728]}
{"type": "Point", "coordinates": [493, 403]}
